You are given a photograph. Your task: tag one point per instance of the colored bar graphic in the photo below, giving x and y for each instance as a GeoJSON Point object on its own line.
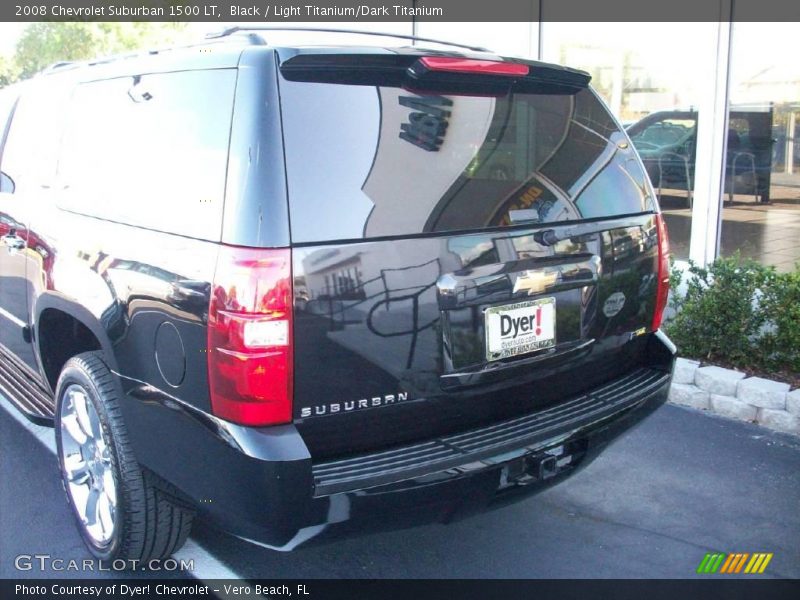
{"type": "Point", "coordinates": [732, 563]}
{"type": "Point", "coordinates": [752, 563]}
{"type": "Point", "coordinates": [765, 563]}
{"type": "Point", "coordinates": [740, 564]}
{"type": "Point", "coordinates": [701, 568]}
{"type": "Point", "coordinates": [759, 562]}
{"type": "Point", "coordinates": [729, 564]}
{"type": "Point", "coordinates": [711, 562]}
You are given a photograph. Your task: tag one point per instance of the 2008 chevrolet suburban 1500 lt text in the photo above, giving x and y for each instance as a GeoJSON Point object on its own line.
{"type": "Point", "coordinates": [286, 289]}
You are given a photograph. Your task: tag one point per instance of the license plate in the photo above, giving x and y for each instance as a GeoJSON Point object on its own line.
{"type": "Point", "coordinates": [520, 328]}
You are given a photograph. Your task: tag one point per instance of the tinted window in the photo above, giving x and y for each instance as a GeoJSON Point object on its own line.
{"type": "Point", "coordinates": [365, 161]}
{"type": "Point", "coordinates": [150, 150]}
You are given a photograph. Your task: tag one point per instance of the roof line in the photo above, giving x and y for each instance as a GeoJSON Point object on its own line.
{"type": "Point", "coordinates": [243, 29]}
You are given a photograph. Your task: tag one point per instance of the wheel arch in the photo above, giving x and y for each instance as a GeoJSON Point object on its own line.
{"type": "Point", "coordinates": [62, 329]}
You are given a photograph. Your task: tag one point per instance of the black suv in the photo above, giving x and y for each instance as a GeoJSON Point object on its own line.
{"type": "Point", "coordinates": [284, 289]}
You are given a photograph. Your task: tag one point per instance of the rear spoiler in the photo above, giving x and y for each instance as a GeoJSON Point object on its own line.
{"type": "Point", "coordinates": [444, 72]}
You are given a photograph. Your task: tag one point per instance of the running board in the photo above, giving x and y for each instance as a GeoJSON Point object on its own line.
{"type": "Point", "coordinates": [21, 387]}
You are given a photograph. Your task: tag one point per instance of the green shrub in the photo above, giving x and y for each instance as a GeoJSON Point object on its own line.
{"type": "Point", "coordinates": [780, 344]}
{"type": "Point", "coordinates": [739, 312]}
{"type": "Point", "coordinates": [718, 317]}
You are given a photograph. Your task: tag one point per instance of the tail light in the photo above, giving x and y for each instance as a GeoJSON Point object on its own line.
{"type": "Point", "coordinates": [470, 65]}
{"type": "Point", "coordinates": [662, 291]}
{"type": "Point", "coordinates": [250, 336]}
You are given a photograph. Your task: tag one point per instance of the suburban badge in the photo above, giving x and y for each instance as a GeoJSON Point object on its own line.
{"type": "Point", "coordinates": [352, 405]}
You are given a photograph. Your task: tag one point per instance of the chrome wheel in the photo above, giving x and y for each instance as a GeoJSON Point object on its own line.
{"type": "Point", "coordinates": [86, 461]}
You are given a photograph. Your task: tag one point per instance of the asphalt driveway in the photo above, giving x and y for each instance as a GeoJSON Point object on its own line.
{"type": "Point", "coordinates": [682, 484]}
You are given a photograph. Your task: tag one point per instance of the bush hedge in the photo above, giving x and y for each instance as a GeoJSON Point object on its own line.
{"type": "Point", "coordinates": [739, 312]}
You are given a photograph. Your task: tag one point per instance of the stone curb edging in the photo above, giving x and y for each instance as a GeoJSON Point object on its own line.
{"type": "Point", "coordinates": [734, 395]}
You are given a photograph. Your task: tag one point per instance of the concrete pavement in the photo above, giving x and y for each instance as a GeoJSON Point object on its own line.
{"type": "Point", "coordinates": [682, 484]}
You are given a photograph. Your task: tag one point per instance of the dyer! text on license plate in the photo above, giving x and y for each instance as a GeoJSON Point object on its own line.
{"type": "Point", "coordinates": [520, 328]}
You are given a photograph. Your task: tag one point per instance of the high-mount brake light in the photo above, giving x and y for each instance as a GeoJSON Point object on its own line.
{"type": "Point", "coordinates": [662, 289]}
{"type": "Point", "coordinates": [472, 65]}
{"type": "Point", "coordinates": [250, 336]}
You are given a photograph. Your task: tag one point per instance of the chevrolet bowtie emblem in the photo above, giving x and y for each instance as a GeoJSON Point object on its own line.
{"type": "Point", "coordinates": [535, 281]}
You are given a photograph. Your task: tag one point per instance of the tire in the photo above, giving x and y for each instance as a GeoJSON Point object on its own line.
{"type": "Point", "coordinates": [122, 511]}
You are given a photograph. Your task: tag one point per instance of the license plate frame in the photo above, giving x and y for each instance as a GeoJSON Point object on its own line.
{"type": "Point", "coordinates": [499, 347]}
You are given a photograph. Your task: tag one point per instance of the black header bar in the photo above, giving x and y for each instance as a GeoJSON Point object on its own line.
{"type": "Point", "coordinates": [387, 589]}
{"type": "Point", "coordinates": [333, 11]}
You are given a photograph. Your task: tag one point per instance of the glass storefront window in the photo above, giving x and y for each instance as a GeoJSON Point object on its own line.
{"type": "Point", "coordinates": [761, 196]}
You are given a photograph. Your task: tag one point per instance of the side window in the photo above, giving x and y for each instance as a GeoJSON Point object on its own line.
{"type": "Point", "coordinates": [31, 148]}
{"type": "Point", "coordinates": [150, 150]}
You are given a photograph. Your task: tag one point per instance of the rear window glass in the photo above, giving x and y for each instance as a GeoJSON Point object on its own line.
{"type": "Point", "coordinates": [367, 161]}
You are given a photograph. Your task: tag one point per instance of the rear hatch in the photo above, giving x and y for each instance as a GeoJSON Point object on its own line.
{"type": "Point", "coordinates": [471, 240]}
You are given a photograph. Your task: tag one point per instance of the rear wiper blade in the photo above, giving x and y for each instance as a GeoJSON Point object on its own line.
{"type": "Point", "coordinates": [548, 237]}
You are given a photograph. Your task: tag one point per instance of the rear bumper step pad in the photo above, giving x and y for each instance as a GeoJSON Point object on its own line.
{"type": "Point", "coordinates": [450, 451]}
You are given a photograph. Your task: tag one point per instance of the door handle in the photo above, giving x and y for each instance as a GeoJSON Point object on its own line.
{"type": "Point", "coordinates": [14, 242]}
